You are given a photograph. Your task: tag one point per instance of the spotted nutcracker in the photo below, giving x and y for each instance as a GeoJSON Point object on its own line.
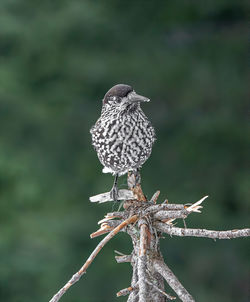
{"type": "Point", "coordinates": [122, 136]}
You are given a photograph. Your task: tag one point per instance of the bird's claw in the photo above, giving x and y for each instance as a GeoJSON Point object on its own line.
{"type": "Point", "coordinates": [114, 193]}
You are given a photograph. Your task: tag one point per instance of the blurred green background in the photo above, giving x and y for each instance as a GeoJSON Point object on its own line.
{"type": "Point", "coordinates": [57, 60]}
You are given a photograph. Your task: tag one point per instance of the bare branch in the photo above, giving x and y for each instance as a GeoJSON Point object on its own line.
{"type": "Point", "coordinates": [106, 227]}
{"type": "Point", "coordinates": [202, 232]}
{"type": "Point", "coordinates": [165, 206]}
{"type": "Point", "coordinates": [192, 208]}
{"type": "Point", "coordinates": [134, 283]}
{"type": "Point", "coordinates": [117, 215]}
{"type": "Point", "coordinates": [197, 205]}
{"type": "Point", "coordinates": [123, 194]}
{"type": "Point", "coordinates": [122, 259]}
{"type": "Point", "coordinates": [162, 215]}
{"type": "Point", "coordinates": [149, 269]}
{"type": "Point", "coordinates": [119, 253]}
{"type": "Point", "coordinates": [125, 291]}
{"type": "Point", "coordinates": [134, 184]}
{"type": "Point", "coordinates": [172, 280]}
{"type": "Point", "coordinates": [83, 269]}
{"type": "Point", "coordinates": [113, 223]}
{"type": "Point", "coordinates": [100, 232]}
{"type": "Point", "coordinates": [161, 291]}
{"type": "Point", "coordinates": [142, 261]}
{"type": "Point", "coordinates": [155, 196]}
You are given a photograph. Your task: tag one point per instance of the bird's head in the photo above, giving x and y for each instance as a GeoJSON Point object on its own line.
{"type": "Point", "coordinates": [122, 97]}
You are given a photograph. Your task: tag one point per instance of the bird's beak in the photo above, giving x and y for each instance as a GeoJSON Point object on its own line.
{"type": "Point", "coordinates": [136, 98]}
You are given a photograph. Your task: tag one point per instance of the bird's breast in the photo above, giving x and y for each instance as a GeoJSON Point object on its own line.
{"type": "Point", "coordinates": [123, 142]}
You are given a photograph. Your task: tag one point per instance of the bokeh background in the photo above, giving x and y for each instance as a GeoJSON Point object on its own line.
{"type": "Point", "coordinates": [57, 60]}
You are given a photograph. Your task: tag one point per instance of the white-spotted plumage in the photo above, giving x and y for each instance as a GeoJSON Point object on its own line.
{"type": "Point", "coordinates": [123, 136]}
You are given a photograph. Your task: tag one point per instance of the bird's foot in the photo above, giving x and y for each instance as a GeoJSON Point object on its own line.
{"type": "Point", "coordinates": [114, 193]}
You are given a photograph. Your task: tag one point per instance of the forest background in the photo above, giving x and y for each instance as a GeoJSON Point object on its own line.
{"type": "Point", "coordinates": [57, 60]}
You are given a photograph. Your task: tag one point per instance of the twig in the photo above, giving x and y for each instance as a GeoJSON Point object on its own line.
{"type": "Point", "coordinates": [106, 227]}
{"type": "Point", "coordinates": [172, 280]}
{"type": "Point", "coordinates": [119, 253]}
{"type": "Point", "coordinates": [83, 269]}
{"type": "Point", "coordinates": [117, 215]}
{"type": "Point", "coordinates": [164, 215]}
{"type": "Point", "coordinates": [134, 184]}
{"type": "Point", "coordinates": [100, 232]}
{"type": "Point", "coordinates": [165, 206]}
{"type": "Point", "coordinates": [123, 259]}
{"type": "Point", "coordinates": [193, 208]}
{"type": "Point", "coordinates": [197, 205]}
{"type": "Point", "coordinates": [155, 197]}
{"type": "Point", "coordinates": [161, 291]}
{"type": "Point", "coordinates": [138, 193]}
{"type": "Point", "coordinates": [125, 291]}
{"type": "Point", "coordinates": [113, 223]}
{"type": "Point", "coordinates": [142, 264]}
{"type": "Point", "coordinates": [134, 283]}
{"type": "Point", "coordinates": [201, 232]}
{"type": "Point", "coordinates": [123, 194]}
{"type": "Point", "coordinates": [133, 297]}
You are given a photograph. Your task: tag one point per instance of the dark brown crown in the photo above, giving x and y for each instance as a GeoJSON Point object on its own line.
{"type": "Point", "coordinates": [119, 90]}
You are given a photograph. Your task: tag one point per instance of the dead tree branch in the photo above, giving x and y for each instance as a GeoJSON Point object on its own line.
{"type": "Point", "coordinates": [161, 291]}
{"type": "Point", "coordinates": [144, 221]}
{"type": "Point", "coordinates": [123, 259]}
{"type": "Point", "coordinates": [125, 291]}
{"type": "Point", "coordinates": [172, 280]}
{"type": "Point", "coordinates": [91, 258]}
{"type": "Point", "coordinates": [142, 261]}
{"type": "Point", "coordinates": [182, 232]}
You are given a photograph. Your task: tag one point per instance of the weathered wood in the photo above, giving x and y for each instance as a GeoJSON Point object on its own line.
{"type": "Point", "coordinates": [123, 194]}
{"type": "Point", "coordinates": [172, 280]}
{"type": "Point", "coordinates": [92, 256]}
{"type": "Point", "coordinates": [125, 291]}
{"type": "Point", "coordinates": [142, 261]}
{"type": "Point", "coordinates": [144, 221]}
{"type": "Point", "coordinates": [183, 232]}
{"type": "Point", "coordinates": [123, 258]}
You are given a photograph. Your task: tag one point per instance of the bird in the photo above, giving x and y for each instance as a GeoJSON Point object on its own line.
{"type": "Point", "coordinates": [122, 136]}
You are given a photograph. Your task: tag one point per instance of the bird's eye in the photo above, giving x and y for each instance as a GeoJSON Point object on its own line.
{"type": "Point", "coordinates": [116, 99]}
